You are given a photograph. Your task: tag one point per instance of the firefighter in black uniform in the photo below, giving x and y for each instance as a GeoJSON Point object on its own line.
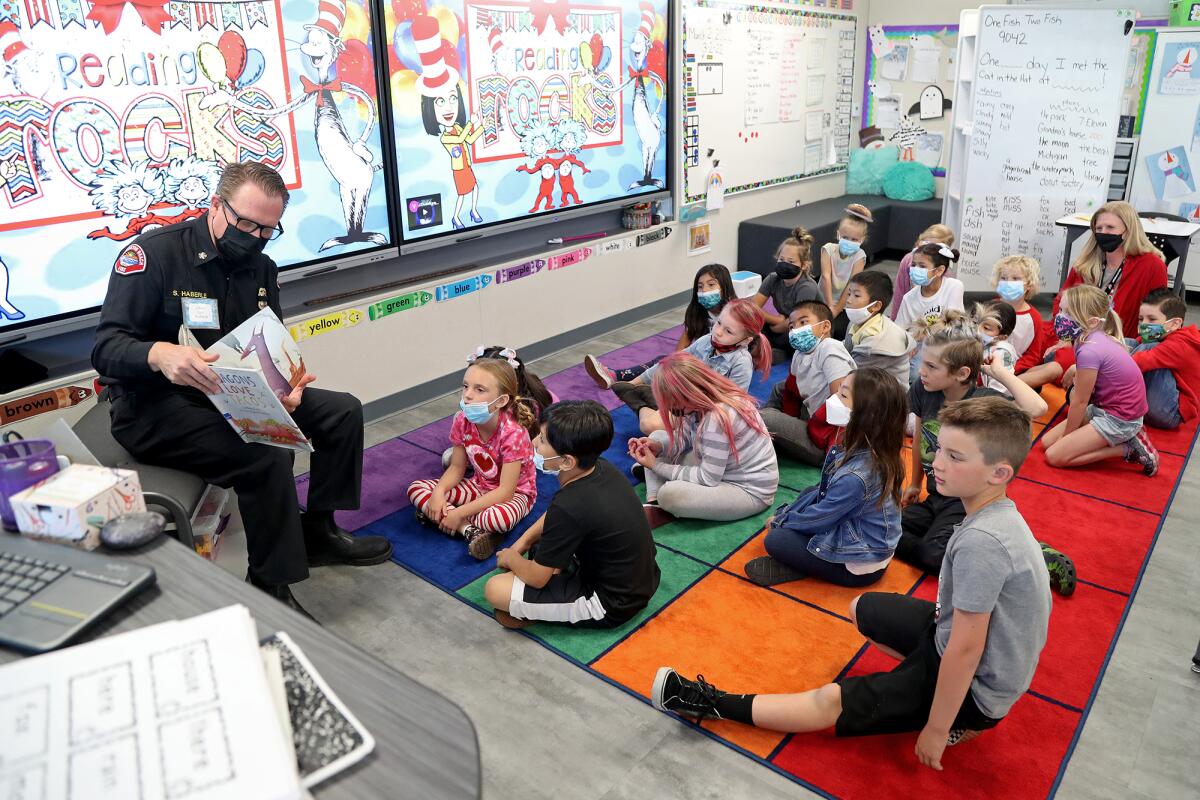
{"type": "Point", "coordinates": [212, 269]}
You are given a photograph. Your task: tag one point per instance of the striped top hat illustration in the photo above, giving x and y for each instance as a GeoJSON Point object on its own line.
{"type": "Point", "coordinates": [436, 75]}
{"type": "Point", "coordinates": [11, 45]}
{"type": "Point", "coordinates": [331, 15]}
{"type": "Point", "coordinates": [647, 23]}
{"type": "Point", "coordinates": [494, 40]}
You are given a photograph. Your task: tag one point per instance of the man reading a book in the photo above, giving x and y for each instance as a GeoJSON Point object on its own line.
{"type": "Point", "coordinates": [210, 274]}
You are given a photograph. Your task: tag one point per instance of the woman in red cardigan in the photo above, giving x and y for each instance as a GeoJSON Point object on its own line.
{"type": "Point", "coordinates": [1120, 260]}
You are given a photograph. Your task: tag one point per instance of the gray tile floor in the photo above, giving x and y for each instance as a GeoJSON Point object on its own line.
{"type": "Point", "coordinates": [549, 730]}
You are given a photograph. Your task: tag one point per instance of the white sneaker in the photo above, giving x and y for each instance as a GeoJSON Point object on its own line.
{"type": "Point", "coordinates": [446, 457]}
{"type": "Point", "coordinates": [602, 375]}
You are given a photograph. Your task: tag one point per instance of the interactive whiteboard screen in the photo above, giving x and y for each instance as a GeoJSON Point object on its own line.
{"type": "Point", "coordinates": [115, 118]}
{"type": "Point", "coordinates": [504, 110]}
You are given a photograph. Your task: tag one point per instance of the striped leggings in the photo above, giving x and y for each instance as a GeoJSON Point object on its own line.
{"type": "Point", "coordinates": [499, 518]}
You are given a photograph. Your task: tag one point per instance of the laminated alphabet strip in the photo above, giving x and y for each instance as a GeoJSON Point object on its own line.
{"type": "Point", "coordinates": [450, 291]}
{"type": "Point", "coordinates": [567, 259]}
{"type": "Point", "coordinates": [40, 403]}
{"type": "Point", "coordinates": [653, 236]}
{"type": "Point", "coordinates": [394, 305]}
{"type": "Point", "coordinates": [330, 322]}
{"type": "Point", "coordinates": [518, 271]}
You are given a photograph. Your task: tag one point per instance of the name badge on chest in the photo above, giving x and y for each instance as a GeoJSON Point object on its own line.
{"type": "Point", "coordinates": [200, 313]}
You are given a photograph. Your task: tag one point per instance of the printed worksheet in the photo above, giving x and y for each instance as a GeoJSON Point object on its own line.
{"type": "Point", "coordinates": [180, 710]}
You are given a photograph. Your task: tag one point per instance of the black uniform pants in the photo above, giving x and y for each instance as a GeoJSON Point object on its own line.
{"type": "Point", "coordinates": [925, 531]}
{"type": "Point", "coordinates": [182, 430]}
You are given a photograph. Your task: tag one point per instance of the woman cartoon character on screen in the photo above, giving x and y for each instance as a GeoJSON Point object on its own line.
{"type": "Point", "coordinates": [538, 140]}
{"type": "Point", "coordinates": [648, 65]}
{"type": "Point", "coordinates": [444, 113]}
{"type": "Point", "coordinates": [7, 310]}
{"type": "Point", "coordinates": [571, 136]}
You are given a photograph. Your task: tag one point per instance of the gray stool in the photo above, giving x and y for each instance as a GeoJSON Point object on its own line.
{"type": "Point", "coordinates": [175, 493]}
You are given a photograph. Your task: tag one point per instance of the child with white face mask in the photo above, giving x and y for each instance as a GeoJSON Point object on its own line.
{"type": "Point", "coordinates": [845, 529]}
{"type": "Point", "coordinates": [996, 321]}
{"type": "Point", "coordinates": [872, 338]}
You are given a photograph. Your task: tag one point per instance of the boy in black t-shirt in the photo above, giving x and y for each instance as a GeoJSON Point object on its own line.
{"type": "Point", "coordinates": [591, 555]}
{"type": "Point", "coordinates": [949, 370]}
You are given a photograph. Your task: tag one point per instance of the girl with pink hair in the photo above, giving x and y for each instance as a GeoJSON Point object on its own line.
{"type": "Point", "coordinates": [713, 458]}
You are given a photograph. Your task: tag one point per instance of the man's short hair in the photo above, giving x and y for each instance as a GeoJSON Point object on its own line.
{"type": "Point", "coordinates": [579, 428]}
{"type": "Point", "coordinates": [237, 173]}
{"type": "Point", "coordinates": [998, 426]}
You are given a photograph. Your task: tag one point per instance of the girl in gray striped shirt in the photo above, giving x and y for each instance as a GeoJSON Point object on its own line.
{"type": "Point", "coordinates": [714, 459]}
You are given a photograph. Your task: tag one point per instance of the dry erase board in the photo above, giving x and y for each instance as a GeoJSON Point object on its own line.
{"type": "Point", "coordinates": [768, 89]}
{"type": "Point", "coordinates": [902, 63]}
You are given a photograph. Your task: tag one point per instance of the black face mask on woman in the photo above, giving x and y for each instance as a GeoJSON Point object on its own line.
{"type": "Point", "coordinates": [785, 270]}
{"type": "Point", "coordinates": [1108, 242]}
{"type": "Point", "coordinates": [237, 246]}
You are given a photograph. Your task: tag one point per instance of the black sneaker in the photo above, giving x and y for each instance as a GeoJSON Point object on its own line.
{"type": "Point", "coordinates": [638, 472]}
{"type": "Point", "coordinates": [955, 736]}
{"type": "Point", "coordinates": [1061, 569]}
{"type": "Point", "coordinates": [424, 519]}
{"type": "Point", "coordinates": [480, 544]}
{"type": "Point", "coordinates": [1142, 450]}
{"type": "Point", "coordinates": [696, 699]}
{"type": "Point", "coordinates": [767, 571]}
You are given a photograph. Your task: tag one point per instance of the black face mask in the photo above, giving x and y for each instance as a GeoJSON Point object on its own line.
{"type": "Point", "coordinates": [1108, 242]}
{"type": "Point", "coordinates": [238, 246]}
{"type": "Point", "coordinates": [785, 270]}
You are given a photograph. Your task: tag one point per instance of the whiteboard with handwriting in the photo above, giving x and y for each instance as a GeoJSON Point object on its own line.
{"type": "Point", "coordinates": [1044, 88]}
{"type": "Point", "coordinates": [768, 89]}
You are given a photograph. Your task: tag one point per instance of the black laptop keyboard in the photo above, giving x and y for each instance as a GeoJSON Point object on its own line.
{"type": "Point", "coordinates": [21, 576]}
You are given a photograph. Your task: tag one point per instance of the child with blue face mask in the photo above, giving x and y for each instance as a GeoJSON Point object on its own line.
{"type": "Point", "coordinates": [489, 435]}
{"type": "Point", "coordinates": [843, 259]}
{"type": "Point", "coordinates": [1017, 279]}
{"type": "Point", "coordinates": [795, 413]}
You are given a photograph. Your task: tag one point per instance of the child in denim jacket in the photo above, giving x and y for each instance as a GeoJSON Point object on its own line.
{"type": "Point", "coordinates": [845, 529]}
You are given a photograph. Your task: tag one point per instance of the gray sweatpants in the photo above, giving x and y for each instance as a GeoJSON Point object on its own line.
{"type": "Point", "coordinates": [790, 433]}
{"type": "Point", "coordinates": [723, 502]}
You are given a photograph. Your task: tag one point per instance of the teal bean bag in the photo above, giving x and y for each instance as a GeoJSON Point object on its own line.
{"type": "Point", "coordinates": [864, 175]}
{"type": "Point", "coordinates": [908, 180]}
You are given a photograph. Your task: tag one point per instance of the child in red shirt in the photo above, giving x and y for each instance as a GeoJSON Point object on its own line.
{"type": "Point", "coordinates": [1016, 279]}
{"type": "Point", "coordinates": [1169, 358]}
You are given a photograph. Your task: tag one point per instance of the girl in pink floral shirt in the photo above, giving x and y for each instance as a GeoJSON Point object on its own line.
{"type": "Point", "coordinates": [488, 435]}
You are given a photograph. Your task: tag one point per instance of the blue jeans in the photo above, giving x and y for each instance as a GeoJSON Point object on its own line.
{"type": "Point", "coordinates": [1162, 395]}
{"type": "Point", "coordinates": [791, 547]}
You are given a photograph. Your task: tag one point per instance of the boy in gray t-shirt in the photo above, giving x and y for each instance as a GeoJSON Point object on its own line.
{"type": "Point", "coordinates": [966, 659]}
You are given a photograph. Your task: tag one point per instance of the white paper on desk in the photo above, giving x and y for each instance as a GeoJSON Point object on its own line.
{"type": "Point", "coordinates": [176, 710]}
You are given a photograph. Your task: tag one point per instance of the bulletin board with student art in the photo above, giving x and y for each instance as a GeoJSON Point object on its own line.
{"type": "Point", "coordinates": [504, 110]}
{"type": "Point", "coordinates": [908, 88]}
{"type": "Point", "coordinates": [116, 118]}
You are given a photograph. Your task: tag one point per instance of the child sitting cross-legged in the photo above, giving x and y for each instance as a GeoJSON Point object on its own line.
{"type": "Point", "coordinates": [1169, 358]}
{"type": "Point", "coordinates": [1108, 394]}
{"type": "Point", "coordinates": [872, 338]}
{"type": "Point", "coordinates": [950, 364]}
{"type": "Point", "coordinates": [794, 413]}
{"type": "Point", "coordinates": [964, 661]}
{"type": "Point", "coordinates": [845, 529]}
{"type": "Point", "coordinates": [1017, 279]}
{"type": "Point", "coordinates": [713, 459]}
{"type": "Point", "coordinates": [590, 556]}
{"type": "Point", "coordinates": [489, 435]}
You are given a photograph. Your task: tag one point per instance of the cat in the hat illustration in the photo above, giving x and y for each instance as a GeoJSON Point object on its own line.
{"type": "Point", "coordinates": [351, 163]}
{"type": "Point", "coordinates": [26, 70]}
{"type": "Point", "coordinates": [444, 113]}
{"type": "Point", "coordinates": [645, 121]}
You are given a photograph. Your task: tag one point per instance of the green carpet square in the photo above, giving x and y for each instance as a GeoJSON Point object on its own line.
{"type": "Point", "coordinates": [795, 475]}
{"type": "Point", "coordinates": [585, 644]}
{"type": "Point", "coordinates": [712, 542]}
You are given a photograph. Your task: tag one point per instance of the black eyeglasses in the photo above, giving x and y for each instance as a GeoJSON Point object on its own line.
{"type": "Point", "coordinates": [250, 226]}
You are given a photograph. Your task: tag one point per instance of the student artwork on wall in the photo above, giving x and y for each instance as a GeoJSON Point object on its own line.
{"type": "Point", "coordinates": [116, 119]}
{"type": "Point", "coordinates": [1177, 72]}
{"type": "Point", "coordinates": [1170, 173]}
{"type": "Point", "coordinates": [507, 109]}
{"type": "Point", "coordinates": [907, 89]}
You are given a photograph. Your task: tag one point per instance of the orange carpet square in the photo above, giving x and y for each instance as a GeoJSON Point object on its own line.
{"type": "Point", "coordinates": [740, 637]}
{"type": "Point", "coordinates": [899, 577]}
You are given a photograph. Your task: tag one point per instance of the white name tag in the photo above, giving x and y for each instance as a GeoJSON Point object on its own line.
{"type": "Point", "coordinates": [200, 313]}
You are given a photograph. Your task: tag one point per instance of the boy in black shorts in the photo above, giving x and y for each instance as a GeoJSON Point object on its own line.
{"type": "Point", "coordinates": [591, 555]}
{"type": "Point", "coordinates": [964, 660]}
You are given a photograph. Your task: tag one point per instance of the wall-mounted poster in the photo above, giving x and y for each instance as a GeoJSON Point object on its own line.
{"type": "Point", "coordinates": [116, 117]}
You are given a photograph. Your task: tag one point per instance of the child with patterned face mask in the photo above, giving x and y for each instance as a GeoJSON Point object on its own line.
{"type": "Point", "coordinates": [489, 435]}
{"type": "Point", "coordinates": [795, 413]}
{"type": "Point", "coordinates": [1169, 358]}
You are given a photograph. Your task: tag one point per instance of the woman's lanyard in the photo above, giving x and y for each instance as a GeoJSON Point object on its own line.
{"type": "Point", "coordinates": [1111, 285]}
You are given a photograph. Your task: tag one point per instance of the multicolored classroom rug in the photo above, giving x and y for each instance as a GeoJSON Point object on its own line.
{"type": "Point", "coordinates": [707, 617]}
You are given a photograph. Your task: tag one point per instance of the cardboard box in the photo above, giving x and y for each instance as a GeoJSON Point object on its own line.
{"type": "Point", "coordinates": [73, 505]}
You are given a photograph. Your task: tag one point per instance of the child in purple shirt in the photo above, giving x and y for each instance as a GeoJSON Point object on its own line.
{"type": "Point", "coordinates": [1105, 418]}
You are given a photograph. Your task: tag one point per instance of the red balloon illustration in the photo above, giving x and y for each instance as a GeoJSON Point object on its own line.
{"type": "Point", "coordinates": [233, 47]}
{"type": "Point", "coordinates": [354, 64]}
{"type": "Point", "coordinates": [408, 9]}
{"type": "Point", "coordinates": [597, 45]}
{"type": "Point", "coordinates": [656, 60]}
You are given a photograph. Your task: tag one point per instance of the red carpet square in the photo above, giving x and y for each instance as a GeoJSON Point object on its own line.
{"type": "Point", "coordinates": [1082, 627]}
{"type": "Point", "coordinates": [1107, 542]}
{"type": "Point", "coordinates": [1113, 479]}
{"type": "Point", "coordinates": [1178, 441]}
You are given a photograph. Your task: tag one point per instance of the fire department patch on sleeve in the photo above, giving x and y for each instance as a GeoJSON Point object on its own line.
{"type": "Point", "coordinates": [131, 261]}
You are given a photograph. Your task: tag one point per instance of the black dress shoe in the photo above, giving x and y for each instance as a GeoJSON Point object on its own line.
{"type": "Point", "coordinates": [326, 543]}
{"type": "Point", "coordinates": [281, 592]}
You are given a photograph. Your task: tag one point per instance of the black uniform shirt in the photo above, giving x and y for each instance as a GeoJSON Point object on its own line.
{"type": "Point", "coordinates": [151, 278]}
